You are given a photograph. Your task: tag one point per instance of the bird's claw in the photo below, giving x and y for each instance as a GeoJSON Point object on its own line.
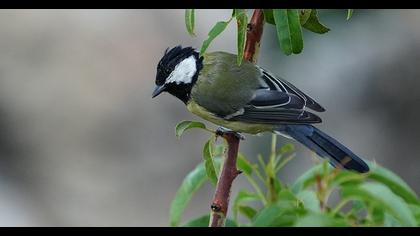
{"type": "Point", "coordinates": [222, 131]}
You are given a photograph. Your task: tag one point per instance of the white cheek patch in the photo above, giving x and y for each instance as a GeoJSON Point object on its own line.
{"type": "Point", "coordinates": [183, 72]}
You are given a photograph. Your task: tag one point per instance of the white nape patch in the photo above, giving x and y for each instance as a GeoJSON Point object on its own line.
{"type": "Point", "coordinates": [183, 72]}
{"type": "Point", "coordinates": [237, 113]}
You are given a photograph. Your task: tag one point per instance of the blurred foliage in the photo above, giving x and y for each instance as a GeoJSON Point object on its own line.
{"type": "Point", "coordinates": [377, 198]}
{"type": "Point", "coordinates": [288, 23]}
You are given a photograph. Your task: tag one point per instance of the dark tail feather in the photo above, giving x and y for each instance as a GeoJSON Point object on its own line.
{"type": "Point", "coordinates": [326, 146]}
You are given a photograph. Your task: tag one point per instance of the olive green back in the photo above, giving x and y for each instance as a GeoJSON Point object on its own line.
{"type": "Point", "coordinates": [223, 87]}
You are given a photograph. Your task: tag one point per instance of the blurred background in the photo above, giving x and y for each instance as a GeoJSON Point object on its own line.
{"type": "Point", "coordinates": [83, 144]}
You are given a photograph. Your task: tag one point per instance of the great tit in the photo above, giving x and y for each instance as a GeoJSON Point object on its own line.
{"type": "Point", "coordinates": [247, 99]}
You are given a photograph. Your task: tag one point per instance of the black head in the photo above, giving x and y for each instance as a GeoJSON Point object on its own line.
{"type": "Point", "coordinates": [177, 72]}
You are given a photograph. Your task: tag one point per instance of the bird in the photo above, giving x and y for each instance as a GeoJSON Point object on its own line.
{"type": "Point", "coordinates": [249, 99]}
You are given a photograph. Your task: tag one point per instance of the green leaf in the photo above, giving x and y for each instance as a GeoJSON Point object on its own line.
{"type": "Point", "coordinates": [218, 153]}
{"type": "Point", "coordinates": [289, 32]}
{"type": "Point", "coordinates": [307, 178]}
{"type": "Point", "coordinates": [390, 221]}
{"type": "Point", "coordinates": [267, 216]}
{"type": "Point", "coordinates": [281, 162]}
{"type": "Point", "coordinates": [278, 187]}
{"type": "Point", "coordinates": [242, 23]}
{"type": "Point", "coordinates": [244, 165]}
{"type": "Point", "coordinates": [208, 162]}
{"type": "Point", "coordinates": [313, 219]}
{"type": "Point", "coordinates": [395, 183]}
{"type": "Point", "coordinates": [314, 25]}
{"type": "Point", "coordinates": [349, 13]}
{"type": "Point", "coordinates": [191, 183]}
{"type": "Point", "coordinates": [357, 206]}
{"type": "Point", "coordinates": [247, 211]}
{"type": "Point", "coordinates": [283, 213]}
{"type": "Point", "coordinates": [380, 196]}
{"type": "Point", "coordinates": [415, 209]}
{"type": "Point", "coordinates": [268, 16]}
{"type": "Point", "coordinates": [288, 147]}
{"type": "Point", "coordinates": [378, 216]}
{"type": "Point", "coordinates": [347, 177]}
{"type": "Point", "coordinates": [287, 195]}
{"type": "Point", "coordinates": [310, 200]}
{"type": "Point", "coordinates": [243, 196]}
{"type": "Point", "coordinates": [219, 150]}
{"type": "Point", "coordinates": [304, 15]}
{"type": "Point", "coordinates": [185, 125]}
{"type": "Point", "coordinates": [203, 221]}
{"type": "Point", "coordinates": [189, 21]}
{"type": "Point", "coordinates": [214, 32]}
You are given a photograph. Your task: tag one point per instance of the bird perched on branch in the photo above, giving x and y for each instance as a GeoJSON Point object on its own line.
{"type": "Point", "coordinates": [247, 99]}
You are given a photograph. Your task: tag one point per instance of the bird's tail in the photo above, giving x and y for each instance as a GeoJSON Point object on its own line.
{"type": "Point", "coordinates": [325, 146]}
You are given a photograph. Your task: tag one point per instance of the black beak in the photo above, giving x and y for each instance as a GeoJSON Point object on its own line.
{"type": "Point", "coordinates": [158, 90]}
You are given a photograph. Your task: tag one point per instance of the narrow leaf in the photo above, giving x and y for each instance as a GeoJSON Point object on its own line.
{"type": "Point", "coordinates": [244, 165]}
{"type": "Point", "coordinates": [247, 211]}
{"type": "Point", "coordinates": [307, 178]}
{"type": "Point", "coordinates": [214, 32]}
{"type": "Point", "coordinates": [288, 147]}
{"type": "Point", "coordinates": [283, 213]}
{"type": "Point", "coordinates": [416, 212]}
{"type": "Point", "coordinates": [243, 196]}
{"type": "Point", "coordinates": [310, 200]}
{"type": "Point", "coordinates": [218, 152]}
{"type": "Point", "coordinates": [203, 221]}
{"type": "Point", "coordinates": [267, 216]}
{"type": "Point", "coordinates": [349, 13]}
{"type": "Point", "coordinates": [378, 216]}
{"type": "Point", "coordinates": [314, 25]}
{"type": "Point", "coordinates": [289, 32]}
{"type": "Point", "coordinates": [268, 16]}
{"type": "Point", "coordinates": [304, 15]}
{"type": "Point", "coordinates": [286, 194]}
{"type": "Point", "coordinates": [394, 182]}
{"type": "Point", "coordinates": [183, 126]}
{"type": "Point", "coordinates": [379, 195]}
{"type": "Point", "coordinates": [191, 183]}
{"type": "Point", "coordinates": [320, 220]}
{"type": "Point", "coordinates": [242, 22]}
{"type": "Point", "coordinates": [347, 177]}
{"type": "Point", "coordinates": [189, 21]}
{"type": "Point", "coordinates": [208, 162]}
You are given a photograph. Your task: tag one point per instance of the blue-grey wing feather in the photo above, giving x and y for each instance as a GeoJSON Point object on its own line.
{"type": "Point", "coordinates": [276, 116]}
{"type": "Point", "coordinates": [277, 83]}
{"type": "Point", "coordinates": [276, 102]}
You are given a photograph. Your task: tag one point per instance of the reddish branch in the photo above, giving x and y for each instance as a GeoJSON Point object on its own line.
{"type": "Point", "coordinates": [229, 172]}
{"type": "Point", "coordinates": [253, 36]}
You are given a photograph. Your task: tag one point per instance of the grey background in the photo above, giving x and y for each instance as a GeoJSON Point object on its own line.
{"type": "Point", "coordinates": [83, 144]}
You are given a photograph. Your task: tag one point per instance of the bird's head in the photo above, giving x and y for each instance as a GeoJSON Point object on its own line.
{"type": "Point", "coordinates": [177, 72]}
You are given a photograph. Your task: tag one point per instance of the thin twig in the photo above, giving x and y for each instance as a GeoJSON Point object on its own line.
{"type": "Point", "coordinates": [229, 172]}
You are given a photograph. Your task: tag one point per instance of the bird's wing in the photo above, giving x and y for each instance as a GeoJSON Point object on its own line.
{"type": "Point", "coordinates": [249, 93]}
{"type": "Point", "coordinates": [274, 107]}
{"type": "Point", "coordinates": [276, 83]}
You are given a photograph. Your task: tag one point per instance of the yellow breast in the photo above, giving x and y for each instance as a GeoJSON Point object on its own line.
{"type": "Point", "coordinates": [251, 128]}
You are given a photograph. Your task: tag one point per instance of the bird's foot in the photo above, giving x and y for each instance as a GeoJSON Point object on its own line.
{"type": "Point", "coordinates": [222, 131]}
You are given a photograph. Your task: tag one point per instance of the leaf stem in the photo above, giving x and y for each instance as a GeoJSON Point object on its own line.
{"type": "Point", "coordinates": [257, 189]}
